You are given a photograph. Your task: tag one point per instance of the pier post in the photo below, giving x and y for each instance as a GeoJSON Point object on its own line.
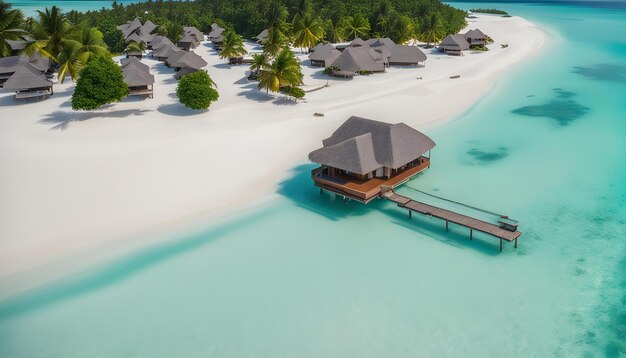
{"type": "Point", "coordinates": [516, 243]}
{"type": "Point", "coordinates": [321, 192]}
{"type": "Point", "coordinates": [471, 234]}
{"type": "Point", "coordinates": [500, 245]}
{"type": "Point", "coordinates": [410, 213]}
{"type": "Point", "coordinates": [446, 225]}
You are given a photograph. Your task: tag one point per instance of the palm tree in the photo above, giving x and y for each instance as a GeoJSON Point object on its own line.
{"type": "Point", "coordinates": [431, 30]}
{"type": "Point", "coordinates": [49, 32]}
{"type": "Point", "coordinates": [275, 15]}
{"type": "Point", "coordinates": [91, 41]}
{"type": "Point", "coordinates": [134, 46]}
{"type": "Point", "coordinates": [71, 58]}
{"type": "Point", "coordinates": [302, 8]}
{"type": "Point", "coordinates": [356, 26]}
{"type": "Point", "coordinates": [10, 21]}
{"type": "Point", "coordinates": [335, 31]}
{"type": "Point", "coordinates": [308, 31]}
{"type": "Point", "coordinates": [275, 42]}
{"type": "Point", "coordinates": [284, 71]}
{"type": "Point", "coordinates": [401, 29]}
{"type": "Point", "coordinates": [232, 47]}
{"type": "Point", "coordinates": [259, 61]}
{"type": "Point", "coordinates": [173, 31]}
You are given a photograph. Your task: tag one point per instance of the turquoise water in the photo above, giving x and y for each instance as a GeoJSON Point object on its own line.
{"type": "Point", "coordinates": [29, 8]}
{"type": "Point", "coordinates": [308, 276]}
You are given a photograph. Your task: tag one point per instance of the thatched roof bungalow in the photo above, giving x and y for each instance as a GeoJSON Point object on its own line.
{"type": "Point", "coordinates": [362, 156]}
{"type": "Point", "coordinates": [193, 31]}
{"type": "Point", "coordinates": [475, 37]}
{"type": "Point", "coordinates": [29, 82]}
{"type": "Point", "coordinates": [188, 60]}
{"type": "Point", "coordinates": [188, 42]}
{"type": "Point", "coordinates": [454, 45]}
{"type": "Point", "coordinates": [125, 62]}
{"type": "Point", "coordinates": [262, 37]}
{"type": "Point", "coordinates": [165, 52]}
{"type": "Point", "coordinates": [324, 55]}
{"type": "Point", "coordinates": [358, 59]}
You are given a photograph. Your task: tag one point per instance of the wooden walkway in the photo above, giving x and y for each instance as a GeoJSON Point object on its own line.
{"type": "Point", "coordinates": [450, 216]}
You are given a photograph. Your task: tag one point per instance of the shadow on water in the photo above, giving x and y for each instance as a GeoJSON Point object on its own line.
{"type": "Point", "coordinates": [603, 72]}
{"type": "Point", "coordinates": [563, 108]}
{"type": "Point", "coordinates": [299, 189]}
{"type": "Point", "coordinates": [116, 271]}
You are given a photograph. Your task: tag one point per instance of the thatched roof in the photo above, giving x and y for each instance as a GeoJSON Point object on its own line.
{"type": "Point", "coordinates": [188, 60]}
{"type": "Point", "coordinates": [188, 39]}
{"type": "Point", "coordinates": [27, 77]}
{"type": "Point", "coordinates": [356, 59]}
{"type": "Point", "coordinates": [147, 27]}
{"type": "Point", "coordinates": [135, 78]}
{"type": "Point", "coordinates": [135, 62]}
{"type": "Point", "coordinates": [174, 56]}
{"type": "Point", "coordinates": [184, 72]}
{"type": "Point", "coordinates": [216, 31]}
{"type": "Point", "coordinates": [402, 54]}
{"type": "Point", "coordinates": [135, 37]}
{"type": "Point", "coordinates": [161, 42]}
{"type": "Point", "coordinates": [193, 31]}
{"type": "Point", "coordinates": [362, 145]}
{"type": "Point", "coordinates": [380, 41]}
{"type": "Point", "coordinates": [358, 42]}
{"type": "Point", "coordinates": [12, 63]}
{"type": "Point", "coordinates": [166, 51]}
{"type": "Point", "coordinates": [454, 42]}
{"type": "Point", "coordinates": [262, 37]}
{"type": "Point", "coordinates": [355, 155]}
{"type": "Point", "coordinates": [325, 52]}
{"type": "Point", "coordinates": [40, 62]}
{"type": "Point", "coordinates": [475, 34]}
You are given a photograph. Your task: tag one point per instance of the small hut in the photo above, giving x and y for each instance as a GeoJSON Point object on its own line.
{"type": "Point", "coordinates": [165, 52]}
{"type": "Point", "coordinates": [187, 43]}
{"type": "Point", "coordinates": [139, 80]}
{"type": "Point", "coordinates": [475, 37]}
{"type": "Point", "coordinates": [216, 33]}
{"type": "Point", "coordinates": [454, 45]}
{"type": "Point", "coordinates": [125, 62]}
{"type": "Point", "coordinates": [184, 72]}
{"type": "Point", "coordinates": [174, 56]}
{"type": "Point", "coordinates": [404, 55]}
{"type": "Point", "coordinates": [323, 55]}
{"type": "Point", "coordinates": [193, 31]}
{"type": "Point", "coordinates": [188, 60]}
{"type": "Point", "coordinates": [8, 66]}
{"type": "Point", "coordinates": [29, 82]}
{"type": "Point", "coordinates": [356, 60]}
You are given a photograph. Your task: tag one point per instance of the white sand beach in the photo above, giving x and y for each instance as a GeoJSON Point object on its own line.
{"type": "Point", "coordinates": [72, 182]}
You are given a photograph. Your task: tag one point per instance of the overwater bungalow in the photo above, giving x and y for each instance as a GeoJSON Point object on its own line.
{"type": "Point", "coordinates": [29, 82]}
{"type": "Point", "coordinates": [323, 55]}
{"type": "Point", "coordinates": [363, 157]}
{"type": "Point", "coordinates": [359, 59]}
{"type": "Point", "coordinates": [475, 37]}
{"type": "Point", "coordinates": [454, 45]}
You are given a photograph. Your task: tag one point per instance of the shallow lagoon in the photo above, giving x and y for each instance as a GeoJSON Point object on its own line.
{"type": "Point", "coordinates": [310, 276]}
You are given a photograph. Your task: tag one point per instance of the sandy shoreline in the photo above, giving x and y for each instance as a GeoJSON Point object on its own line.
{"type": "Point", "coordinates": [78, 182]}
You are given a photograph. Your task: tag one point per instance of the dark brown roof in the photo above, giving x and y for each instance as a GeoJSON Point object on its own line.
{"type": "Point", "coordinates": [133, 61]}
{"type": "Point", "coordinates": [393, 145]}
{"type": "Point", "coordinates": [403, 54]}
{"type": "Point", "coordinates": [363, 58]}
{"type": "Point", "coordinates": [324, 52]}
{"type": "Point", "coordinates": [189, 60]}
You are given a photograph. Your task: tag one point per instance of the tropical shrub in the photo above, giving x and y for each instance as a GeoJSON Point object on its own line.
{"type": "Point", "coordinates": [197, 91]}
{"type": "Point", "coordinates": [100, 82]}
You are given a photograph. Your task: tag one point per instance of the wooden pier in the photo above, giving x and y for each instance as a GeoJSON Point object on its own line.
{"type": "Point", "coordinates": [503, 232]}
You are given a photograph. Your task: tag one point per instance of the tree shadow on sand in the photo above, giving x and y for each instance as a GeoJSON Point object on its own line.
{"type": "Point", "coordinates": [62, 119]}
{"type": "Point", "coordinates": [178, 110]}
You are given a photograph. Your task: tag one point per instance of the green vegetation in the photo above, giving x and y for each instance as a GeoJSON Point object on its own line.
{"type": "Point", "coordinates": [295, 92]}
{"type": "Point", "coordinates": [307, 31]}
{"type": "Point", "coordinates": [100, 82]}
{"type": "Point", "coordinates": [479, 48]}
{"type": "Point", "coordinates": [232, 47]}
{"type": "Point", "coordinates": [197, 91]}
{"type": "Point", "coordinates": [490, 11]}
{"type": "Point", "coordinates": [259, 61]}
{"type": "Point", "coordinates": [283, 72]}
{"type": "Point", "coordinates": [10, 22]}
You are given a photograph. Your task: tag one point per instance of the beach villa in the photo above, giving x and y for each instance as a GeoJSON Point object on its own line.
{"type": "Point", "coordinates": [323, 55]}
{"type": "Point", "coordinates": [216, 35]}
{"type": "Point", "coordinates": [29, 82]}
{"type": "Point", "coordinates": [363, 157]}
{"type": "Point", "coordinates": [475, 37]}
{"type": "Point", "coordinates": [454, 45]}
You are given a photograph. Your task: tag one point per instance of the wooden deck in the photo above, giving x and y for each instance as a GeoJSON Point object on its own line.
{"type": "Point", "coordinates": [366, 190]}
{"type": "Point", "coordinates": [450, 216]}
